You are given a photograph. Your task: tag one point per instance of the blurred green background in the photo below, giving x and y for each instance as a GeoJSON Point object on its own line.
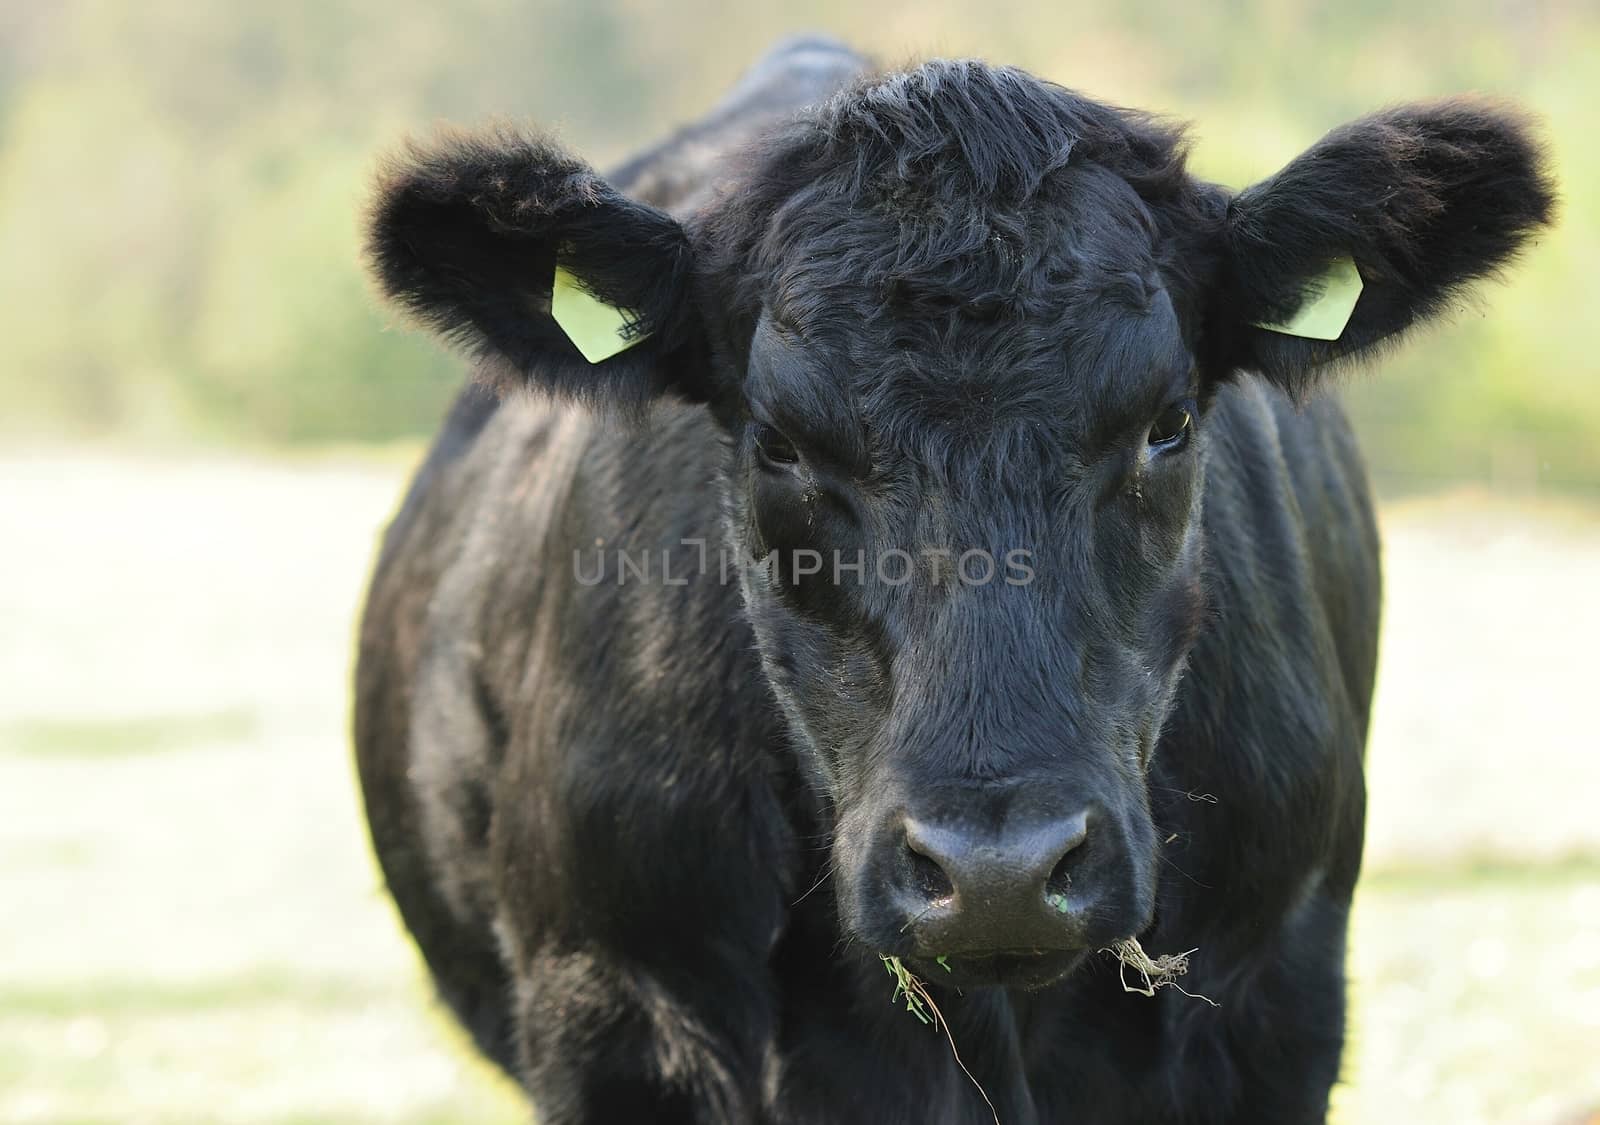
{"type": "Point", "coordinates": [205, 420]}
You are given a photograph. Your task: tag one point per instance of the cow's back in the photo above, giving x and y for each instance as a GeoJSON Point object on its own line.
{"type": "Point", "coordinates": [500, 672]}
{"type": "Point", "coordinates": [420, 548]}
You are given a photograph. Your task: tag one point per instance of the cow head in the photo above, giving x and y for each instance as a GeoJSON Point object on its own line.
{"type": "Point", "coordinates": [962, 329]}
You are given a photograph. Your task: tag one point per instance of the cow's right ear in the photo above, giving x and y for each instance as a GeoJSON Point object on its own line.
{"type": "Point", "coordinates": [467, 231]}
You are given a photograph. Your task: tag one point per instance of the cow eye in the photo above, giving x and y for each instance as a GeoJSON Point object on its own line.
{"type": "Point", "coordinates": [1171, 427]}
{"type": "Point", "coordinates": [774, 447]}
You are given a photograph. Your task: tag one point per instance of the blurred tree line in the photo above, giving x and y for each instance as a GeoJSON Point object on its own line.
{"type": "Point", "coordinates": [181, 184]}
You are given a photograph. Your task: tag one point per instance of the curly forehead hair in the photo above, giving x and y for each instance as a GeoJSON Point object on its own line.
{"type": "Point", "coordinates": [943, 190]}
{"type": "Point", "coordinates": [965, 132]}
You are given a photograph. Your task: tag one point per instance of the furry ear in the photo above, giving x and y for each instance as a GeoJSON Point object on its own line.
{"type": "Point", "coordinates": [1425, 198]}
{"type": "Point", "coordinates": [466, 233]}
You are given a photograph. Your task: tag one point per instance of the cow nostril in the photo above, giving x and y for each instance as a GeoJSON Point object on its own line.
{"type": "Point", "coordinates": [1059, 885]}
{"type": "Point", "coordinates": [927, 876]}
{"type": "Point", "coordinates": [1060, 881]}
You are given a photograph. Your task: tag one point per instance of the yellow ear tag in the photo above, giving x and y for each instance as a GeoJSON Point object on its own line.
{"type": "Point", "coordinates": [1327, 306]}
{"type": "Point", "coordinates": [596, 329]}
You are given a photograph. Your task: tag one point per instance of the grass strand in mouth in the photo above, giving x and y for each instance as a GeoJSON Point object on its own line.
{"type": "Point", "coordinates": [1154, 972]}
{"type": "Point", "coordinates": [921, 1005]}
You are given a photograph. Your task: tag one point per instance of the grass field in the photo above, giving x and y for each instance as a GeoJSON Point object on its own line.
{"type": "Point", "coordinates": [192, 928]}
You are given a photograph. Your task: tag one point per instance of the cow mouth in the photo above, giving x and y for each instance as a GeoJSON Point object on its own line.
{"type": "Point", "coordinates": [1027, 969]}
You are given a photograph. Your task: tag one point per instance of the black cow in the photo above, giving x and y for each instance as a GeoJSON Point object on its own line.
{"type": "Point", "coordinates": [1010, 593]}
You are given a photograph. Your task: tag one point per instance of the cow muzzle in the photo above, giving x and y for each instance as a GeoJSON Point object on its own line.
{"type": "Point", "coordinates": [1013, 892]}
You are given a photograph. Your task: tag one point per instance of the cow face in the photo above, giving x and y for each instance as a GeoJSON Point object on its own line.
{"type": "Point", "coordinates": [962, 328]}
{"type": "Point", "coordinates": [968, 490]}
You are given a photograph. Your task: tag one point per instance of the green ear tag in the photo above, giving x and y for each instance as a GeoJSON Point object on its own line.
{"type": "Point", "coordinates": [596, 329]}
{"type": "Point", "coordinates": [1327, 306]}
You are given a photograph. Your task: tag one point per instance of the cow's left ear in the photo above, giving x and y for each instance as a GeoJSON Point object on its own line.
{"type": "Point", "coordinates": [502, 242]}
{"type": "Point", "coordinates": [1423, 198]}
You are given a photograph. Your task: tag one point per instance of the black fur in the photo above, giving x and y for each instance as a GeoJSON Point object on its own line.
{"type": "Point", "coordinates": [653, 836]}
